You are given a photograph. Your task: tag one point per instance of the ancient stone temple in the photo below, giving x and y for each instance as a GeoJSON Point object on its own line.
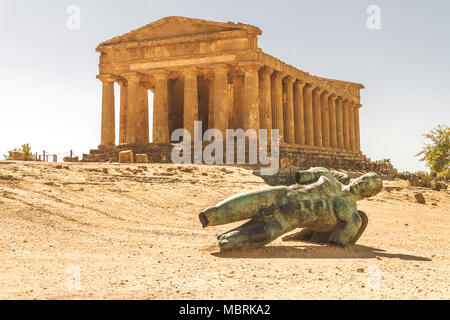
{"type": "Point", "coordinates": [216, 73]}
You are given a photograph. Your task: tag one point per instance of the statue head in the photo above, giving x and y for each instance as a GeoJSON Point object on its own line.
{"type": "Point", "coordinates": [367, 185]}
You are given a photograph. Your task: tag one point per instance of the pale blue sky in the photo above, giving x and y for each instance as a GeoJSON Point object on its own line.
{"type": "Point", "coordinates": [49, 95]}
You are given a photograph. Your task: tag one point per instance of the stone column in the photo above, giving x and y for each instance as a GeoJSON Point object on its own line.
{"type": "Point", "coordinates": [133, 106]}
{"type": "Point", "coordinates": [265, 99]}
{"type": "Point", "coordinates": [211, 102]}
{"type": "Point", "coordinates": [317, 112]}
{"type": "Point", "coordinates": [325, 120]}
{"type": "Point", "coordinates": [288, 112]}
{"type": "Point", "coordinates": [123, 112]}
{"type": "Point", "coordinates": [351, 125]}
{"type": "Point", "coordinates": [277, 103]}
{"type": "Point", "coordinates": [340, 123]}
{"type": "Point", "coordinates": [309, 116]}
{"type": "Point", "coordinates": [333, 122]}
{"type": "Point", "coordinates": [238, 97]}
{"type": "Point", "coordinates": [161, 108]}
{"type": "Point", "coordinates": [251, 97]}
{"type": "Point", "coordinates": [220, 98]}
{"type": "Point", "coordinates": [190, 111]}
{"type": "Point", "coordinates": [346, 125]}
{"type": "Point", "coordinates": [108, 136]}
{"type": "Point", "coordinates": [299, 114]}
{"type": "Point", "coordinates": [143, 127]}
{"type": "Point", "coordinates": [357, 129]}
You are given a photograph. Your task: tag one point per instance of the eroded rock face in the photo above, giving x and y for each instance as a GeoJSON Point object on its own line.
{"type": "Point", "coordinates": [126, 156]}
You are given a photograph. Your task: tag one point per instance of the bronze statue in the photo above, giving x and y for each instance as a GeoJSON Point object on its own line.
{"type": "Point", "coordinates": [318, 202]}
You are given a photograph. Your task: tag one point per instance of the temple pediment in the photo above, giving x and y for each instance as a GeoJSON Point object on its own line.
{"type": "Point", "coordinates": [176, 27]}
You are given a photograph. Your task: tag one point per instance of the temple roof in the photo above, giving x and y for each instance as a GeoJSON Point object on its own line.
{"type": "Point", "coordinates": [172, 27]}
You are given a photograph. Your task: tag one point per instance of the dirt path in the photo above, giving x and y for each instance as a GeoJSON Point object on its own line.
{"type": "Point", "coordinates": [132, 232]}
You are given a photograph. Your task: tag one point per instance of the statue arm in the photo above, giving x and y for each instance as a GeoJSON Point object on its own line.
{"type": "Point", "coordinates": [342, 177]}
{"type": "Point", "coordinates": [314, 174]}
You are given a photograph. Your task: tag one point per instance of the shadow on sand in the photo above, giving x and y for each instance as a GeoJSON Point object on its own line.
{"type": "Point", "coordinates": [316, 252]}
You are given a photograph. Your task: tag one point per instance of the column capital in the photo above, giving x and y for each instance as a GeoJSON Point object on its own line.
{"type": "Point", "coordinates": [289, 80]}
{"type": "Point", "coordinates": [300, 84]}
{"type": "Point", "coordinates": [106, 77]}
{"type": "Point", "coordinates": [133, 76]}
{"type": "Point", "coordinates": [278, 75]}
{"type": "Point", "coordinates": [310, 86]}
{"type": "Point", "coordinates": [339, 98]}
{"type": "Point", "coordinates": [220, 67]}
{"type": "Point", "coordinates": [319, 90]}
{"type": "Point", "coordinates": [122, 82]}
{"type": "Point", "coordinates": [250, 66]}
{"type": "Point", "coordinates": [333, 96]}
{"type": "Point", "coordinates": [161, 75]}
{"type": "Point", "coordinates": [266, 71]}
{"type": "Point", "coordinates": [192, 71]}
{"type": "Point", "coordinates": [326, 93]}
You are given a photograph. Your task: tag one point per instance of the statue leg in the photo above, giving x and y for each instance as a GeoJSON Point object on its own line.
{"type": "Point", "coordinates": [347, 229]}
{"type": "Point", "coordinates": [364, 223]}
{"type": "Point", "coordinates": [253, 234]}
{"type": "Point", "coordinates": [309, 235]}
{"type": "Point", "coordinates": [321, 237]}
{"type": "Point", "coordinates": [303, 235]}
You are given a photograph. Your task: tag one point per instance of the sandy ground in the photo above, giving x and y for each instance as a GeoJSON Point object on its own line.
{"type": "Point", "coordinates": [109, 231]}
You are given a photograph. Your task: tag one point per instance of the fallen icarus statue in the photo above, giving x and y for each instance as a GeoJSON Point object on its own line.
{"type": "Point", "coordinates": [322, 201]}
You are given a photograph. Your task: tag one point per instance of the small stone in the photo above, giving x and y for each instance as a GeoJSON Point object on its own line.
{"type": "Point", "coordinates": [105, 170]}
{"type": "Point", "coordinates": [141, 158]}
{"type": "Point", "coordinates": [360, 270]}
{"type": "Point", "coordinates": [18, 156]}
{"type": "Point", "coordinates": [419, 197]}
{"type": "Point", "coordinates": [126, 156]}
{"type": "Point", "coordinates": [435, 185]}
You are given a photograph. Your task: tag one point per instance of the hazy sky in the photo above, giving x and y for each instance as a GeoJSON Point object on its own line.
{"type": "Point", "coordinates": [49, 95]}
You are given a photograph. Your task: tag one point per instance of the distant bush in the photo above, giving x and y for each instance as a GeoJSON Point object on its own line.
{"type": "Point", "coordinates": [425, 176]}
{"type": "Point", "coordinates": [436, 154]}
{"type": "Point", "coordinates": [386, 162]}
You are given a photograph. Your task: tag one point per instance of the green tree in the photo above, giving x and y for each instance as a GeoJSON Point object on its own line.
{"type": "Point", "coordinates": [436, 153]}
{"type": "Point", "coordinates": [25, 148]}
